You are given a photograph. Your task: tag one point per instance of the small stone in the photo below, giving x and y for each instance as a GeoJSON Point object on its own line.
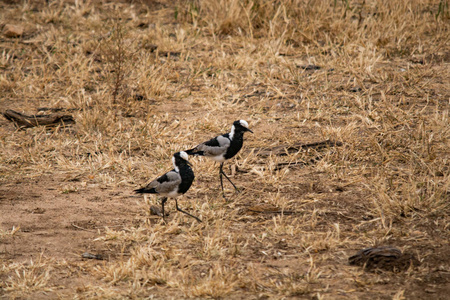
{"type": "Point", "coordinates": [355, 89]}
{"type": "Point", "coordinates": [383, 257]}
{"type": "Point", "coordinates": [310, 67]}
{"type": "Point", "coordinates": [92, 256]}
{"type": "Point", "coordinates": [12, 30]}
{"type": "Point", "coordinates": [155, 210]}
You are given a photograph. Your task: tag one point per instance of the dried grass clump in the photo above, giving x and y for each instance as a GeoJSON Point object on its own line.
{"type": "Point", "coordinates": [219, 282]}
{"type": "Point", "coordinates": [26, 278]}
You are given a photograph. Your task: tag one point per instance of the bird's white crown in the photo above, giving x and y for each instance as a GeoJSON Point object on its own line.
{"type": "Point", "coordinates": [243, 123]}
{"type": "Point", "coordinates": [184, 155]}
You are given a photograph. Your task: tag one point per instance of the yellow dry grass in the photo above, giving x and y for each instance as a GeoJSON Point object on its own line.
{"type": "Point", "coordinates": [382, 90]}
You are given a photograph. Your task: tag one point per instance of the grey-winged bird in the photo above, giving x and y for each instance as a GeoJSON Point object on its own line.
{"type": "Point", "coordinates": [174, 183]}
{"type": "Point", "coordinates": [223, 147]}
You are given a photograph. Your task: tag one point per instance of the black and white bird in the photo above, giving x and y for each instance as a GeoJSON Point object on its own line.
{"type": "Point", "coordinates": [223, 147]}
{"type": "Point", "coordinates": [174, 183]}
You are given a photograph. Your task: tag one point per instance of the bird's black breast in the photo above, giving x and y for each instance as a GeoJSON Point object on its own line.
{"type": "Point", "coordinates": [235, 145]}
{"type": "Point", "coordinates": [187, 177]}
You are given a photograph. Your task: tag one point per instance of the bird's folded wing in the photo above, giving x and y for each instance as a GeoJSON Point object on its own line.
{"type": "Point", "coordinates": [165, 183]}
{"type": "Point", "coordinates": [215, 146]}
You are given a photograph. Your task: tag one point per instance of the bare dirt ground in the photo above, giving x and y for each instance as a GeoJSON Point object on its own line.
{"type": "Point", "coordinates": [144, 79]}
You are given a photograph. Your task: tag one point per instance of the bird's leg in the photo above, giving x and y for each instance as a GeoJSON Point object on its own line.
{"type": "Point", "coordinates": [221, 172]}
{"type": "Point", "coordinates": [221, 181]}
{"type": "Point", "coordinates": [163, 201]}
{"type": "Point", "coordinates": [185, 212]}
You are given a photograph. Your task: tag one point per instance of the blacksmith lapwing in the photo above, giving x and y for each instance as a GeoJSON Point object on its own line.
{"type": "Point", "coordinates": [223, 147]}
{"type": "Point", "coordinates": [174, 183]}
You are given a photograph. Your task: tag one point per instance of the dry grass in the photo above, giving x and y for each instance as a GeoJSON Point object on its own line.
{"type": "Point", "coordinates": [382, 90]}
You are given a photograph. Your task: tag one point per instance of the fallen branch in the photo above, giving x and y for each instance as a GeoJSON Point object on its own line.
{"type": "Point", "coordinates": [26, 121]}
{"type": "Point", "coordinates": [61, 109]}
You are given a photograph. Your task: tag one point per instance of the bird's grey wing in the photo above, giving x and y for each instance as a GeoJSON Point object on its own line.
{"type": "Point", "coordinates": [215, 147]}
{"type": "Point", "coordinates": [165, 183]}
{"type": "Point", "coordinates": [170, 183]}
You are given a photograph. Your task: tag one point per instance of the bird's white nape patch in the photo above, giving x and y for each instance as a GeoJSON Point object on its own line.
{"type": "Point", "coordinates": [184, 155]}
{"type": "Point", "coordinates": [243, 123]}
{"type": "Point", "coordinates": [175, 165]}
{"type": "Point", "coordinates": [231, 134]}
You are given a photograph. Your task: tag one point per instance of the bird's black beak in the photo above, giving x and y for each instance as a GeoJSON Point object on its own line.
{"type": "Point", "coordinates": [249, 130]}
{"type": "Point", "coordinates": [188, 163]}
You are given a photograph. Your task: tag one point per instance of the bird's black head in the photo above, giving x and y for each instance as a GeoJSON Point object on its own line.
{"type": "Point", "coordinates": [180, 157]}
{"type": "Point", "coordinates": [241, 125]}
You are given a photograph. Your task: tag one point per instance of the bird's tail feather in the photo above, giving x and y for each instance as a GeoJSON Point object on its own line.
{"type": "Point", "coordinates": [145, 191]}
{"type": "Point", "coordinates": [194, 151]}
